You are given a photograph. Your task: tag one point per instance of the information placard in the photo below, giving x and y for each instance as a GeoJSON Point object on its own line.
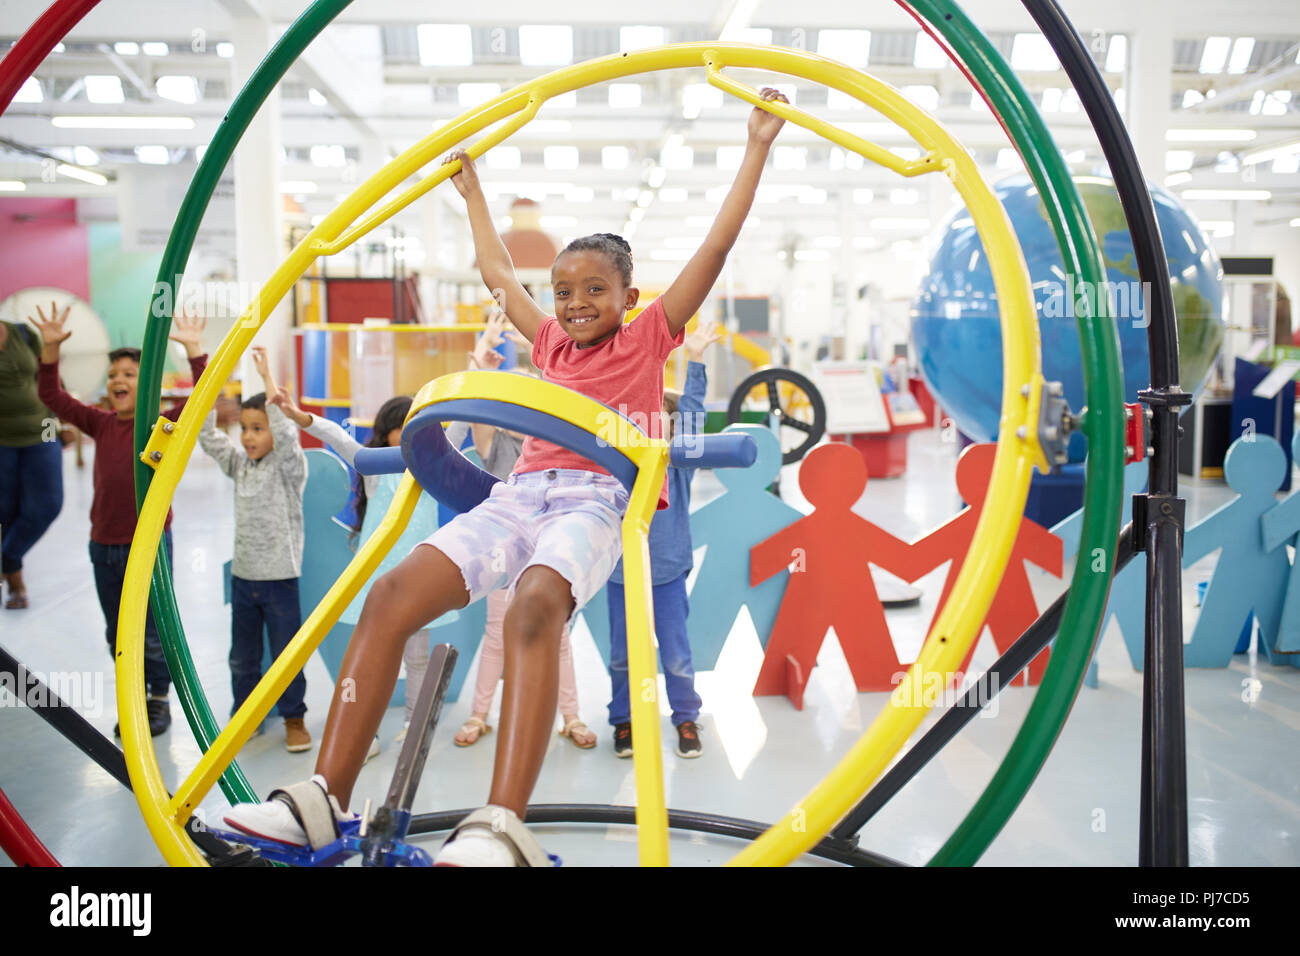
{"type": "Point", "coordinates": [852, 395]}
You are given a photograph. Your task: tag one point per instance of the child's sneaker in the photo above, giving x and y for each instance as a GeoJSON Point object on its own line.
{"type": "Point", "coordinates": [296, 737]}
{"type": "Point", "coordinates": [688, 739]}
{"type": "Point", "coordinates": [291, 814]}
{"type": "Point", "coordinates": [492, 836]}
{"type": "Point", "coordinates": [623, 740]}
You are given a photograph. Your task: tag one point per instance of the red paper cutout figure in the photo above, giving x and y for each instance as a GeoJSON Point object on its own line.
{"type": "Point", "coordinates": [830, 583]}
{"type": "Point", "coordinates": [1013, 608]}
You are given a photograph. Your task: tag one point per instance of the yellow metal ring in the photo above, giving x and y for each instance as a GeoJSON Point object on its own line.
{"type": "Point", "coordinates": [955, 629]}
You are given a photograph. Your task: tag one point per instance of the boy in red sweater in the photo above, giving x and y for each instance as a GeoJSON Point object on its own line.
{"type": "Point", "coordinates": [112, 511]}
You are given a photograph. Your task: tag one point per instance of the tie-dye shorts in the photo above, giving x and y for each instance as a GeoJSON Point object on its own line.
{"type": "Point", "coordinates": [564, 519]}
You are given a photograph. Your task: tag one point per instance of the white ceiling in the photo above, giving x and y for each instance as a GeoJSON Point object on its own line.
{"type": "Point", "coordinates": [378, 99]}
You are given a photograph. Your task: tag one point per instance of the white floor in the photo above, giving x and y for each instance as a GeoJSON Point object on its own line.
{"type": "Point", "coordinates": [761, 756]}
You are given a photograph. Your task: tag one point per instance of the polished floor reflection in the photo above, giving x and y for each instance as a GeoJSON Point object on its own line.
{"type": "Point", "coordinates": [760, 755]}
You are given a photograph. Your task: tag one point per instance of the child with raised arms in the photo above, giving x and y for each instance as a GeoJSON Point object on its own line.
{"type": "Point", "coordinates": [269, 470]}
{"type": "Point", "coordinates": [112, 509]}
{"type": "Point", "coordinates": [374, 493]}
{"type": "Point", "coordinates": [552, 529]}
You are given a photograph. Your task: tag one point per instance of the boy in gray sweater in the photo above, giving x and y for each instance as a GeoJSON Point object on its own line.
{"type": "Point", "coordinates": [270, 473]}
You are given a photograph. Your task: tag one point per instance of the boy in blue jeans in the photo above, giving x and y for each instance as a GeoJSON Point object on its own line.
{"type": "Point", "coordinates": [270, 473]}
{"type": "Point", "coordinates": [671, 560]}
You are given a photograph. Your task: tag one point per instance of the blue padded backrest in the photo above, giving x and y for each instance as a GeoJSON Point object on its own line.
{"type": "Point", "coordinates": [448, 476]}
{"type": "Point", "coordinates": [459, 484]}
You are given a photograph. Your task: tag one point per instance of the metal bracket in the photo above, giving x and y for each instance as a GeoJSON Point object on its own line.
{"type": "Point", "coordinates": [1171, 510]}
{"type": "Point", "coordinates": [159, 436]}
{"type": "Point", "coordinates": [1055, 424]}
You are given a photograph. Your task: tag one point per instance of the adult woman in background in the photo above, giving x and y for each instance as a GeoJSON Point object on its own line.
{"type": "Point", "coordinates": [31, 456]}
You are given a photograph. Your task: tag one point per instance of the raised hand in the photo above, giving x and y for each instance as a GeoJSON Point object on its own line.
{"type": "Point", "coordinates": [284, 401]}
{"type": "Point", "coordinates": [495, 333]}
{"type": "Point", "coordinates": [486, 360]}
{"type": "Point", "coordinates": [262, 363]}
{"type": "Point", "coordinates": [706, 333]}
{"type": "Point", "coordinates": [52, 332]}
{"type": "Point", "coordinates": [259, 361]}
{"type": "Point", "coordinates": [188, 331]}
{"type": "Point", "coordinates": [485, 355]}
{"type": "Point", "coordinates": [763, 126]}
{"type": "Point", "coordinates": [465, 181]}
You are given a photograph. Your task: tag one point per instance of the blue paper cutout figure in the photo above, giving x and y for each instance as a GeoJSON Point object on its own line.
{"type": "Point", "coordinates": [1280, 527]}
{"type": "Point", "coordinates": [730, 526]}
{"type": "Point", "coordinates": [724, 572]}
{"type": "Point", "coordinates": [327, 552]}
{"type": "Point", "coordinates": [1248, 577]}
{"type": "Point", "coordinates": [1123, 599]}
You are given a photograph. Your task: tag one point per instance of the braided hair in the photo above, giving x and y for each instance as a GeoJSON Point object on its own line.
{"type": "Point", "coordinates": [615, 248]}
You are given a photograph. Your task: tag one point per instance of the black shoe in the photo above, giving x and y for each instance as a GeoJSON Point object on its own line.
{"type": "Point", "coordinates": [688, 739]}
{"type": "Point", "coordinates": [623, 740]}
{"type": "Point", "coordinates": [160, 715]}
{"type": "Point", "coordinates": [117, 730]}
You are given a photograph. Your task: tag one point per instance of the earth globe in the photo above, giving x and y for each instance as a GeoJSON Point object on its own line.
{"type": "Point", "coordinates": [955, 318]}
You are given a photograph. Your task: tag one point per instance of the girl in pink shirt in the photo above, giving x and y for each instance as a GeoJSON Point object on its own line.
{"type": "Point", "coordinates": [551, 532]}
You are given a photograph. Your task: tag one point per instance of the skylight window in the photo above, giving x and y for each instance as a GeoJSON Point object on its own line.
{"type": "Point", "coordinates": [545, 45]}
{"type": "Point", "coordinates": [444, 44]}
{"type": "Point", "coordinates": [640, 38]}
{"type": "Point", "coordinates": [104, 89]}
{"type": "Point", "coordinates": [1215, 54]}
{"type": "Point", "coordinates": [1031, 51]}
{"type": "Point", "coordinates": [848, 46]}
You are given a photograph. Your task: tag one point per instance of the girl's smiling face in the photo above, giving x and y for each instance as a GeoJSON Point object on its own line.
{"type": "Point", "coordinates": [590, 297]}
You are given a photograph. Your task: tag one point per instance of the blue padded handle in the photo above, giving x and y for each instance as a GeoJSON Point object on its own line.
{"type": "Point", "coordinates": [712, 451]}
{"type": "Point", "coordinates": [379, 461]}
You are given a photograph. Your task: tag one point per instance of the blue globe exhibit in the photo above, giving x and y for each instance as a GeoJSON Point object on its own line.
{"type": "Point", "coordinates": [955, 320]}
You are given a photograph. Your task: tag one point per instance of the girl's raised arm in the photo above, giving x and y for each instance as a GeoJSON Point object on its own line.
{"type": "Point", "coordinates": [692, 286]}
{"type": "Point", "coordinates": [494, 263]}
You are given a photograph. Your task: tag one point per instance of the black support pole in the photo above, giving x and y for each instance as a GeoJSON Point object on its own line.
{"type": "Point", "coordinates": [1157, 515]}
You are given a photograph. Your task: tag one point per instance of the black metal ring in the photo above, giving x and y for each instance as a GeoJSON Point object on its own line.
{"type": "Point", "coordinates": [772, 376]}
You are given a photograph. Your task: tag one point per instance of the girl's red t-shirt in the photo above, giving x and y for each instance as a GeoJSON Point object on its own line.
{"type": "Point", "coordinates": [625, 372]}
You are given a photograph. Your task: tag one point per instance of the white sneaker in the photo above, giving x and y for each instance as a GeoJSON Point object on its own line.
{"type": "Point", "coordinates": [276, 820]}
{"type": "Point", "coordinates": [401, 734]}
{"type": "Point", "coordinates": [476, 848]}
{"type": "Point", "coordinates": [373, 752]}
